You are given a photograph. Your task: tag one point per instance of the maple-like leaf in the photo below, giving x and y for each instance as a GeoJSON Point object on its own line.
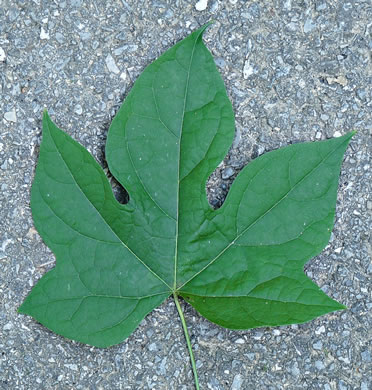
{"type": "Point", "coordinates": [240, 266]}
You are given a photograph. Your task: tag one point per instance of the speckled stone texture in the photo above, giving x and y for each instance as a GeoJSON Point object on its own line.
{"type": "Point", "coordinates": [295, 71]}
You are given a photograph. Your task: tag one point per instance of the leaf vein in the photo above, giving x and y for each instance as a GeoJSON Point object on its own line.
{"type": "Point", "coordinates": [264, 214]}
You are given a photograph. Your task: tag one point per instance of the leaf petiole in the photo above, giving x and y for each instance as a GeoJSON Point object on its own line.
{"type": "Point", "coordinates": [187, 337]}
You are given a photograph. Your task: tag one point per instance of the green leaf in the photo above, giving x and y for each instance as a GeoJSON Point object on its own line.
{"type": "Point", "coordinates": [240, 266]}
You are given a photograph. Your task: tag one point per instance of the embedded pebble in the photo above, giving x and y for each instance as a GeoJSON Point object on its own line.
{"type": "Point", "coordinates": [111, 64]}
{"type": "Point", "coordinates": [309, 25]}
{"type": "Point", "coordinates": [8, 326]}
{"type": "Point", "coordinates": [2, 55]}
{"type": "Point", "coordinates": [11, 116]}
{"type": "Point", "coordinates": [248, 69]}
{"type": "Point", "coordinates": [44, 34]}
{"type": "Point", "coordinates": [72, 367]}
{"type": "Point", "coordinates": [227, 173]}
{"type": "Point", "coordinates": [237, 382]}
{"type": "Point", "coordinates": [78, 109]}
{"type": "Point", "coordinates": [201, 5]}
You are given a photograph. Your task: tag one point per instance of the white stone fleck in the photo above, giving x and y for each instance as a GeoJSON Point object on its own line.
{"type": "Point", "coordinates": [78, 109]}
{"type": "Point", "coordinates": [111, 65]}
{"type": "Point", "coordinates": [248, 69]}
{"type": "Point", "coordinates": [320, 330]}
{"type": "Point", "coordinates": [72, 367]}
{"type": "Point", "coordinates": [337, 134]}
{"type": "Point", "coordinates": [260, 150]}
{"type": "Point", "coordinates": [239, 341]}
{"type": "Point", "coordinates": [338, 250]}
{"type": "Point", "coordinates": [339, 80]}
{"type": "Point", "coordinates": [277, 367]}
{"type": "Point", "coordinates": [44, 34]}
{"type": "Point", "coordinates": [4, 244]}
{"type": "Point", "coordinates": [201, 5]}
{"type": "Point", "coordinates": [2, 55]}
{"type": "Point", "coordinates": [258, 335]}
{"type": "Point", "coordinates": [8, 326]}
{"type": "Point", "coordinates": [11, 116]}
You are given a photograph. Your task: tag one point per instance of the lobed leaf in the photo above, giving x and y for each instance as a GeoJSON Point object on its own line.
{"type": "Point", "coordinates": [240, 266]}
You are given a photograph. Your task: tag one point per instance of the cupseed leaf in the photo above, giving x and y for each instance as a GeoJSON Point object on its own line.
{"type": "Point", "coordinates": [240, 266]}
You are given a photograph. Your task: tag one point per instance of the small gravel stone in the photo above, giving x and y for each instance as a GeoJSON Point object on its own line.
{"type": "Point", "coordinates": [201, 5]}
{"type": "Point", "coordinates": [309, 26]}
{"type": "Point", "coordinates": [111, 64]}
{"type": "Point", "coordinates": [366, 356]}
{"type": "Point", "coordinates": [11, 116]}
{"type": "Point", "coordinates": [78, 109]}
{"type": "Point", "coordinates": [8, 326]}
{"type": "Point", "coordinates": [152, 347]}
{"type": "Point", "coordinates": [237, 382]}
{"type": "Point", "coordinates": [227, 173]}
{"type": "Point", "coordinates": [319, 365]}
{"type": "Point", "coordinates": [44, 34]}
{"type": "Point", "coordinates": [248, 69]}
{"type": "Point", "coordinates": [320, 6]}
{"type": "Point", "coordinates": [59, 37]}
{"type": "Point", "coordinates": [295, 370]}
{"type": "Point", "coordinates": [2, 55]}
{"type": "Point", "coordinates": [72, 367]}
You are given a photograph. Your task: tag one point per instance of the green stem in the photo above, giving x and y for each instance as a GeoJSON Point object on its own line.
{"type": "Point", "coordinates": [187, 337]}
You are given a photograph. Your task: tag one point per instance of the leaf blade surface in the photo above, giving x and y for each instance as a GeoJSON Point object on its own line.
{"type": "Point", "coordinates": [240, 266]}
{"type": "Point", "coordinates": [279, 225]}
{"type": "Point", "coordinates": [98, 280]}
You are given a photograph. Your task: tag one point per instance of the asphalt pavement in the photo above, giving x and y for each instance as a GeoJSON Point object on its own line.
{"type": "Point", "coordinates": [295, 71]}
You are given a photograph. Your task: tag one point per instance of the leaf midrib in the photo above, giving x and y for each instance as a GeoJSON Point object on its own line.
{"type": "Point", "coordinates": [179, 161]}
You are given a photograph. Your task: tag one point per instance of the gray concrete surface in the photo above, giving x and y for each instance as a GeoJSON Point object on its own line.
{"type": "Point", "coordinates": [295, 71]}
